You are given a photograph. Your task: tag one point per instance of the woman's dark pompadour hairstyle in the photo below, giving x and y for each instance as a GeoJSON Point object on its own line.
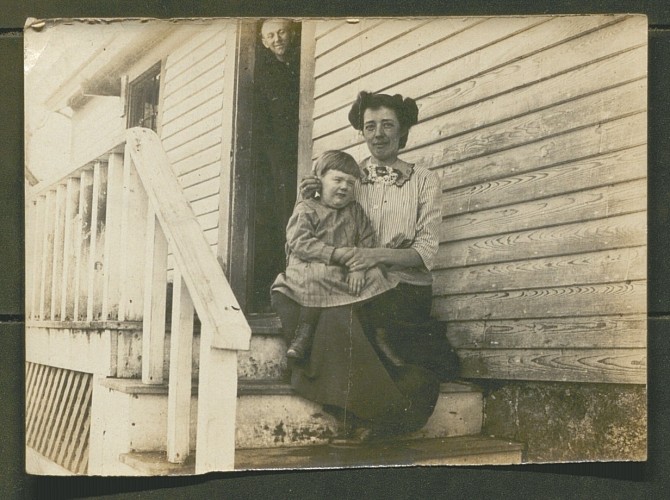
{"type": "Point", "coordinates": [405, 109]}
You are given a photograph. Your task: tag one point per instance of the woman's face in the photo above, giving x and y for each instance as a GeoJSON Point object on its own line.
{"type": "Point", "coordinates": [382, 133]}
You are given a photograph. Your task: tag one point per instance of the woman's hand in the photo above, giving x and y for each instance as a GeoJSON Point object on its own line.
{"type": "Point", "coordinates": [362, 259]}
{"type": "Point", "coordinates": [342, 255]}
{"type": "Point", "coordinates": [356, 281]}
{"type": "Point", "coordinates": [309, 186]}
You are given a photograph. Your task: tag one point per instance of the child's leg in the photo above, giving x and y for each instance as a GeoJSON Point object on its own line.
{"type": "Point", "coordinates": [309, 317]}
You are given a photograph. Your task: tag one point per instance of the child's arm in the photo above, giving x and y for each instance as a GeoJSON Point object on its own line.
{"type": "Point", "coordinates": [366, 233]}
{"type": "Point", "coordinates": [300, 238]}
{"type": "Point", "coordinates": [356, 281]}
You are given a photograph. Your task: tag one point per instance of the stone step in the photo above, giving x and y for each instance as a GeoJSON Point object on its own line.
{"type": "Point", "coordinates": [462, 450]}
{"type": "Point", "coordinates": [269, 414]}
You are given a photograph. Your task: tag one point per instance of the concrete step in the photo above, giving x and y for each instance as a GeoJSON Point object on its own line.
{"type": "Point", "coordinates": [269, 414]}
{"type": "Point", "coordinates": [462, 450]}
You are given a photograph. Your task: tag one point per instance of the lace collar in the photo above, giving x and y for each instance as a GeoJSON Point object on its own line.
{"type": "Point", "coordinates": [398, 173]}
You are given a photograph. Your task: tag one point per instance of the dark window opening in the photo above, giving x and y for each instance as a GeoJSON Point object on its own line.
{"type": "Point", "coordinates": [143, 95]}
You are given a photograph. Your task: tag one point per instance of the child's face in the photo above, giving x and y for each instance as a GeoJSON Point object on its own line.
{"type": "Point", "coordinates": [337, 189]}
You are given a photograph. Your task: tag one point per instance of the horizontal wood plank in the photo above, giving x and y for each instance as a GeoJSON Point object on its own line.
{"type": "Point", "coordinates": [204, 126]}
{"type": "Point", "coordinates": [501, 127]}
{"type": "Point", "coordinates": [578, 300]}
{"type": "Point", "coordinates": [378, 36]}
{"type": "Point", "coordinates": [461, 37]}
{"type": "Point", "coordinates": [191, 118]}
{"type": "Point", "coordinates": [334, 33]}
{"type": "Point", "coordinates": [611, 168]}
{"type": "Point", "coordinates": [483, 61]}
{"type": "Point", "coordinates": [586, 205]}
{"type": "Point", "coordinates": [625, 366]}
{"type": "Point", "coordinates": [575, 269]}
{"type": "Point", "coordinates": [182, 56]}
{"type": "Point", "coordinates": [197, 161]}
{"type": "Point", "coordinates": [600, 234]}
{"type": "Point", "coordinates": [176, 109]}
{"type": "Point", "coordinates": [204, 173]}
{"type": "Point", "coordinates": [550, 333]}
{"type": "Point", "coordinates": [200, 66]}
{"type": "Point", "coordinates": [184, 97]}
{"type": "Point", "coordinates": [574, 145]}
{"type": "Point", "coordinates": [197, 145]}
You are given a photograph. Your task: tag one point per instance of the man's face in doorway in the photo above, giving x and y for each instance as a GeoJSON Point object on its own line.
{"type": "Point", "coordinates": [276, 36]}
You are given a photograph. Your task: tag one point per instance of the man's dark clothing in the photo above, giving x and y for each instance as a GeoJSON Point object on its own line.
{"type": "Point", "coordinates": [277, 90]}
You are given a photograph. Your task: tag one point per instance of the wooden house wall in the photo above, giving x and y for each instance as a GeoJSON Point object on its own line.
{"type": "Point", "coordinates": [536, 127]}
{"type": "Point", "coordinates": [191, 121]}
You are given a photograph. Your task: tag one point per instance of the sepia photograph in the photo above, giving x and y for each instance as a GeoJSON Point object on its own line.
{"type": "Point", "coordinates": [308, 243]}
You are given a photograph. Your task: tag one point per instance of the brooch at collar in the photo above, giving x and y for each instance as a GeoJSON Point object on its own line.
{"type": "Point", "coordinates": [376, 174]}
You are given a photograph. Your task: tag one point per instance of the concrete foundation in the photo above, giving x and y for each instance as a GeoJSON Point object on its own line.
{"type": "Point", "coordinates": [566, 422]}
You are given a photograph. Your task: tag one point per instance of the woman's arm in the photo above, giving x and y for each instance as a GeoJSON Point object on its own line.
{"type": "Point", "coordinates": [426, 240]}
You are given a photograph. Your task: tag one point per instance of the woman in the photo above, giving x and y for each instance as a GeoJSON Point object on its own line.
{"type": "Point", "coordinates": [352, 369]}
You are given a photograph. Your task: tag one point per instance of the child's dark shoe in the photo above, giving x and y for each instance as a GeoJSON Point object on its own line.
{"type": "Point", "coordinates": [301, 341]}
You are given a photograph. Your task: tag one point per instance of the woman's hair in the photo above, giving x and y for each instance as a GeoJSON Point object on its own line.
{"type": "Point", "coordinates": [336, 160]}
{"type": "Point", "coordinates": [405, 109]}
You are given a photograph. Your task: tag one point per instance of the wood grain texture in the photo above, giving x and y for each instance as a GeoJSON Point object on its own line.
{"type": "Point", "coordinates": [599, 234]}
{"type": "Point", "coordinates": [502, 128]}
{"type": "Point", "coordinates": [574, 145]}
{"type": "Point", "coordinates": [611, 168]}
{"type": "Point", "coordinates": [574, 269]}
{"type": "Point", "coordinates": [550, 333]}
{"type": "Point", "coordinates": [578, 300]}
{"type": "Point", "coordinates": [578, 206]}
{"type": "Point", "coordinates": [566, 365]}
{"type": "Point", "coordinates": [501, 94]}
{"type": "Point", "coordinates": [484, 61]}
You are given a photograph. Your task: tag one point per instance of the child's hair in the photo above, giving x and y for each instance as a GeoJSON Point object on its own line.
{"type": "Point", "coordinates": [336, 160]}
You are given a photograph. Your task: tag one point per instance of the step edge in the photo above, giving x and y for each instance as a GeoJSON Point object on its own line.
{"type": "Point", "coordinates": [254, 386]}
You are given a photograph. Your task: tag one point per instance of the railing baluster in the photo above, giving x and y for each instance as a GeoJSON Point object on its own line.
{"type": "Point", "coordinates": [38, 219]}
{"type": "Point", "coordinates": [134, 213]}
{"type": "Point", "coordinates": [155, 279]}
{"type": "Point", "coordinates": [47, 255]}
{"type": "Point", "coordinates": [69, 249]}
{"type": "Point", "coordinates": [82, 241]}
{"type": "Point", "coordinates": [181, 355]}
{"type": "Point", "coordinates": [95, 256]}
{"type": "Point", "coordinates": [57, 262]}
{"type": "Point", "coordinates": [113, 243]}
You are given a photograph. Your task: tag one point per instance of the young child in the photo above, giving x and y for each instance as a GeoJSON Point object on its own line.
{"type": "Point", "coordinates": [316, 229]}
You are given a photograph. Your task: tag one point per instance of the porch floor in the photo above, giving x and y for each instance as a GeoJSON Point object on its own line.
{"type": "Point", "coordinates": [461, 450]}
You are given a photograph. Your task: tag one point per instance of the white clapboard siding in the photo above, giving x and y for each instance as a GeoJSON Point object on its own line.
{"type": "Point", "coordinates": [536, 128]}
{"type": "Point", "coordinates": [192, 122]}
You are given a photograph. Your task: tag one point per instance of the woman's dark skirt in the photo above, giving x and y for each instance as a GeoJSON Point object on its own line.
{"type": "Point", "coordinates": [344, 370]}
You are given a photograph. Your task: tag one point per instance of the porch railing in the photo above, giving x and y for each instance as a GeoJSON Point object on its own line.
{"type": "Point", "coordinates": [98, 253]}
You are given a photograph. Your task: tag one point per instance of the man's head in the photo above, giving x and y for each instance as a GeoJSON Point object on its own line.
{"type": "Point", "coordinates": [277, 36]}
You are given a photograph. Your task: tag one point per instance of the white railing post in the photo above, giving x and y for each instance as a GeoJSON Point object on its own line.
{"type": "Point", "coordinates": [181, 359]}
{"type": "Point", "coordinates": [82, 243]}
{"type": "Point", "coordinates": [155, 284]}
{"type": "Point", "coordinates": [57, 260]}
{"type": "Point", "coordinates": [113, 247]}
{"type": "Point", "coordinates": [133, 216]}
{"type": "Point", "coordinates": [38, 219]}
{"type": "Point", "coordinates": [69, 248]}
{"type": "Point", "coordinates": [217, 403]}
{"type": "Point", "coordinates": [97, 245]}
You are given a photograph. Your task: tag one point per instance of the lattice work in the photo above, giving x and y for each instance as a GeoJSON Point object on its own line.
{"type": "Point", "coordinates": [58, 415]}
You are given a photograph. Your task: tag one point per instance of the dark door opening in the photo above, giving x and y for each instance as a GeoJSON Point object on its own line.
{"type": "Point", "coordinates": [274, 155]}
